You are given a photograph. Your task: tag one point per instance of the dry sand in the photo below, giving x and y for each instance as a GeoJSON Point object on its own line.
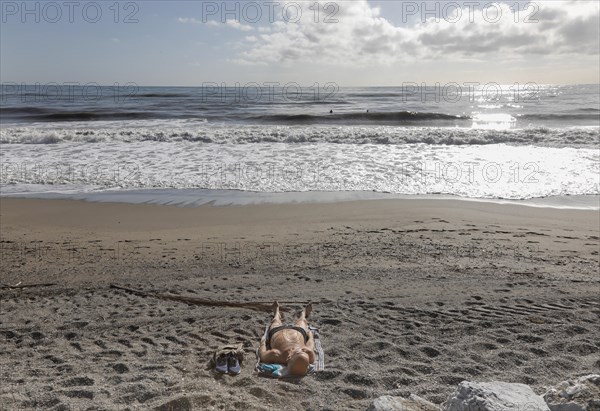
{"type": "Point", "coordinates": [413, 297]}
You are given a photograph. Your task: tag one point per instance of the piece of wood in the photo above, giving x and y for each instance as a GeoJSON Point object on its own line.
{"type": "Point", "coordinates": [254, 305]}
{"type": "Point", "coordinates": [19, 285]}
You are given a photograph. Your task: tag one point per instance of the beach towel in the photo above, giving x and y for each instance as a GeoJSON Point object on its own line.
{"type": "Point", "coordinates": [281, 371]}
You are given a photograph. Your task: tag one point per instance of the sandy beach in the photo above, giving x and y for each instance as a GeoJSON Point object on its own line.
{"type": "Point", "coordinates": [418, 178]}
{"type": "Point", "coordinates": [412, 296]}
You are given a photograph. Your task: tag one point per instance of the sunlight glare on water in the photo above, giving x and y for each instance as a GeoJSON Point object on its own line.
{"type": "Point", "coordinates": [494, 121]}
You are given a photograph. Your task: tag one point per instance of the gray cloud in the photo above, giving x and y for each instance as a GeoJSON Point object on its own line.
{"type": "Point", "coordinates": [363, 37]}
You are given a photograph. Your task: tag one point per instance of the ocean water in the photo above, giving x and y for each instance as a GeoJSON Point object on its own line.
{"type": "Point", "coordinates": [490, 142]}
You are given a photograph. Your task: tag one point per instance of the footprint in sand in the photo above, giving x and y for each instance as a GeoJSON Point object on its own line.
{"type": "Point", "coordinates": [532, 339]}
{"type": "Point", "coordinates": [582, 348]}
{"type": "Point", "coordinates": [356, 393]}
{"type": "Point", "coordinates": [77, 346]}
{"type": "Point", "coordinates": [36, 335]}
{"type": "Point", "coordinates": [328, 375]}
{"type": "Point", "coordinates": [79, 394]}
{"type": "Point", "coordinates": [539, 352]}
{"type": "Point", "coordinates": [148, 340]}
{"type": "Point", "coordinates": [120, 368]}
{"type": "Point", "coordinates": [78, 382]}
{"type": "Point", "coordinates": [430, 351]}
{"type": "Point", "coordinates": [331, 321]}
{"type": "Point", "coordinates": [54, 359]}
{"type": "Point", "coordinates": [358, 379]}
{"type": "Point", "coordinates": [126, 343]}
{"type": "Point", "coordinates": [452, 380]}
{"type": "Point", "coordinates": [176, 340]}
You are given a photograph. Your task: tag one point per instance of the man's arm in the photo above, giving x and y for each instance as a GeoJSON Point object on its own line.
{"type": "Point", "coordinates": [268, 356]}
{"type": "Point", "coordinates": [310, 347]}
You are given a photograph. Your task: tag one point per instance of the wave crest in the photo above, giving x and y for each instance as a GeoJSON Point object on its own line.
{"type": "Point", "coordinates": [205, 134]}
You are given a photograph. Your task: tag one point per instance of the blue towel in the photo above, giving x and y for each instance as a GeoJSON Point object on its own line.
{"type": "Point", "coordinates": [271, 370]}
{"type": "Point", "coordinates": [278, 370]}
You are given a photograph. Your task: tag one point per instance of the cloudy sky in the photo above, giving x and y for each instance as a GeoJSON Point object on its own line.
{"type": "Point", "coordinates": [352, 43]}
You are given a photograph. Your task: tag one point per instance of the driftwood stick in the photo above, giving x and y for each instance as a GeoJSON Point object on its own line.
{"type": "Point", "coordinates": [26, 285]}
{"type": "Point", "coordinates": [254, 305]}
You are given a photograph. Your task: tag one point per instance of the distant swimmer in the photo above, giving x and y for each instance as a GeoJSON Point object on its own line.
{"type": "Point", "coordinates": [330, 111]}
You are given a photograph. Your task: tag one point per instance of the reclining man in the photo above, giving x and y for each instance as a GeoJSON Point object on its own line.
{"type": "Point", "coordinates": [289, 344]}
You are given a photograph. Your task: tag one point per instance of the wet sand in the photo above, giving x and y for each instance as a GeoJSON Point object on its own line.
{"type": "Point", "coordinates": [412, 296]}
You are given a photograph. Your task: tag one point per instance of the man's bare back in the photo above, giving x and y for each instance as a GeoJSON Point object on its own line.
{"type": "Point", "coordinates": [291, 345]}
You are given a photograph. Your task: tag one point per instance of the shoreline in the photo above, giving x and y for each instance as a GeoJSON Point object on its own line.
{"type": "Point", "coordinates": [201, 197]}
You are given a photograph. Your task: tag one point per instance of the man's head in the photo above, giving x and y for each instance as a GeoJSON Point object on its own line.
{"type": "Point", "coordinates": [298, 363]}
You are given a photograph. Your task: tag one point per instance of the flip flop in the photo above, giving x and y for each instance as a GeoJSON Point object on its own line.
{"type": "Point", "coordinates": [221, 363]}
{"type": "Point", "coordinates": [233, 365]}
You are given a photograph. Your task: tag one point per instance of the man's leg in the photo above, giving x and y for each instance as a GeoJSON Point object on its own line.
{"type": "Point", "coordinates": [304, 314]}
{"type": "Point", "coordinates": [265, 353]}
{"type": "Point", "coordinates": [277, 319]}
